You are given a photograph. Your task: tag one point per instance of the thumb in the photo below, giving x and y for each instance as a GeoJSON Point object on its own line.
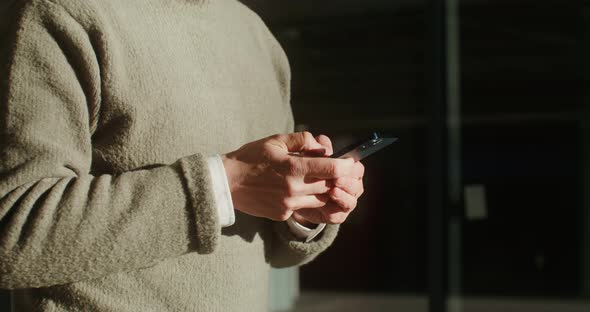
{"type": "Point", "coordinates": [316, 152]}
{"type": "Point", "coordinates": [300, 141]}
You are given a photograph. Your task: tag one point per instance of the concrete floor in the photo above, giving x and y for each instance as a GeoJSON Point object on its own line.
{"type": "Point", "coordinates": [345, 302]}
{"type": "Point", "coordinates": [353, 302]}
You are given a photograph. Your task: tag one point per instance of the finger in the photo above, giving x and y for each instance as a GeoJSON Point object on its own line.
{"type": "Point", "coordinates": [317, 187]}
{"type": "Point", "coordinates": [333, 214]}
{"type": "Point", "coordinates": [308, 186]}
{"type": "Point", "coordinates": [299, 141]}
{"type": "Point", "coordinates": [346, 201]}
{"type": "Point", "coordinates": [302, 202]}
{"type": "Point", "coordinates": [358, 170]}
{"type": "Point", "coordinates": [325, 142]}
{"type": "Point", "coordinates": [350, 185]}
{"type": "Point", "coordinates": [330, 213]}
{"type": "Point", "coordinates": [325, 168]}
{"type": "Point", "coordinates": [317, 152]}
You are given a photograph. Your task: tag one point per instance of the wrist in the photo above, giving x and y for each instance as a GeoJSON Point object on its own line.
{"type": "Point", "coordinates": [230, 168]}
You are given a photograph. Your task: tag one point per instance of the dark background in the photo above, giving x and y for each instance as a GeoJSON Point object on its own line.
{"type": "Point", "coordinates": [360, 66]}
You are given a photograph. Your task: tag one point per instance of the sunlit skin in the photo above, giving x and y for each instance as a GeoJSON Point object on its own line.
{"type": "Point", "coordinates": [283, 176]}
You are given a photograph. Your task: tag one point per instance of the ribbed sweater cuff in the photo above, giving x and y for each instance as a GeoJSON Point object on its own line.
{"type": "Point", "coordinates": [305, 249]}
{"type": "Point", "coordinates": [201, 202]}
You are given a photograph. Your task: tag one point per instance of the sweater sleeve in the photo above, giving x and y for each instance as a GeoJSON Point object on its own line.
{"type": "Point", "coordinates": [58, 222]}
{"type": "Point", "coordinates": [288, 251]}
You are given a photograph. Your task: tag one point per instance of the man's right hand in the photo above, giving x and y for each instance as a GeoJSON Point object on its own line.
{"type": "Point", "coordinates": [270, 178]}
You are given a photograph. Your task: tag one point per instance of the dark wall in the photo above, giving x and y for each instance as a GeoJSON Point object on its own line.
{"type": "Point", "coordinates": [522, 85]}
{"type": "Point", "coordinates": [4, 300]}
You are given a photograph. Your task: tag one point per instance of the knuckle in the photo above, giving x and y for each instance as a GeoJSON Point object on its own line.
{"type": "Point", "coordinates": [283, 165]}
{"type": "Point", "coordinates": [356, 185]}
{"type": "Point", "coordinates": [326, 142]}
{"type": "Point", "coordinates": [362, 168]}
{"type": "Point", "coordinates": [334, 192]}
{"type": "Point", "coordinates": [292, 166]}
{"type": "Point", "coordinates": [292, 188]}
{"type": "Point", "coordinates": [352, 204]}
{"type": "Point", "coordinates": [336, 218]}
{"type": "Point", "coordinates": [284, 215]}
{"type": "Point", "coordinates": [324, 138]}
{"type": "Point", "coordinates": [349, 162]}
{"type": "Point", "coordinates": [307, 135]}
{"type": "Point", "coordinates": [342, 218]}
{"type": "Point", "coordinates": [266, 145]}
{"type": "Point", "coordinates": [349, 204]}
{"type": "Point", "coordinates": [283, 185]}
{"type": "Point", "coordinates": [349, 183]}
{"type": "Point", "coordinates": [268, 150]}
{"type": "Point", "coordinates": [341, 168]}
{"type": "Point", "coordinates": [343, 183]}
{"type": "Point", "coordinates": [277, 137]}
{"type": "Point", "coordinates": [323, 199]}
{"type": "Point", "coordinates": [333, 169]}
{"type": "Point", "coordinates": [322, 217]}
{"type": "Point", "coordinates": [285, 205]}
{"type": "Point", "coordinates": [308, 139]}
{"type": "Point", "coordinates": [299, 136]}
{"type": "Point", "coordinates": [331, 219]}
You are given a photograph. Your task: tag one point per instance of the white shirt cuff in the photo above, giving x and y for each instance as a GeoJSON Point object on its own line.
{"type": "Point", "coordinates": [221, 192]}
{"type": "Point", "coordinates": [303, 232]}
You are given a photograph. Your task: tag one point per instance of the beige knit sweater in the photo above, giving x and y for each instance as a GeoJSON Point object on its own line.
{"type": "Point", "coordinates": [107, 110]}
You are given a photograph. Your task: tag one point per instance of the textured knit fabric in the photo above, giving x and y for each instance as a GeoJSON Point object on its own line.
{"type": "Point", "coordinates": [108, 109]}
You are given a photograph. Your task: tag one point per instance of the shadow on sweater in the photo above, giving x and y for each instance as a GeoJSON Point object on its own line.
{"type": "Point", "coordinates": [248, 227]}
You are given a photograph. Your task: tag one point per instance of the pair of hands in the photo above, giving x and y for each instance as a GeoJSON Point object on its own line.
{"type": "Point", "coordinates": [288, 175]}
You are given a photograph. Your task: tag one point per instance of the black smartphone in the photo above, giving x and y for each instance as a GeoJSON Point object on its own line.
{"type": "Point", "coordinates": [365, 147]}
